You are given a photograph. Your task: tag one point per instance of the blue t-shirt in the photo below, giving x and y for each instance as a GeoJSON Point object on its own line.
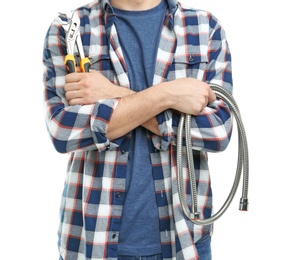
{"type": "Point", "coordinates": [139, 34]}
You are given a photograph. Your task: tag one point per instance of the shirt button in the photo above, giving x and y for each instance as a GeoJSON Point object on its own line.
{"type": "Point", "coordinates": [191, 58]}
{"type": "Point", "coordinates": [118, 194]}
{"type": "Point", "coordinates": [114, 236]}
{"type": "Point", "coordinates": [122, 152]}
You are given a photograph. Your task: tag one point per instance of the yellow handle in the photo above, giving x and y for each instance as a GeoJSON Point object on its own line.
{"type": "Point", "coordinates": [85, 65]}
{"type": "Point", "coordinates": [70, 63]}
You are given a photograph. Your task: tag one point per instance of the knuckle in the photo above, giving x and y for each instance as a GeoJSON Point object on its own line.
{"type": "Point", "coordinates": [197, 108]}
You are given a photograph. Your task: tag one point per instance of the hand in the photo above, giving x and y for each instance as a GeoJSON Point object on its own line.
{"type": "Point", "coordinates": [189, 95]}
{"type": "Point", "coordinates": [88, 88]}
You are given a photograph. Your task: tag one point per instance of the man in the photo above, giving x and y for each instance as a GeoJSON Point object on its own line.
{"type": "Point", "coordinates": [151, 61]}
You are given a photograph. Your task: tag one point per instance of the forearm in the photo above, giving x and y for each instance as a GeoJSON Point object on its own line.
{"type": "Point", "coordinates": [125, 117]}
{"type": "Point", "coordinates": [152, 125]}
{"type": "Point", "coordinates": [137, 109]}
{"type": "Point", "coordinates": [186, 95]}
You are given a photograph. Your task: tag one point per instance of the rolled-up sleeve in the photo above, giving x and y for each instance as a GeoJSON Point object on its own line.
{"type": "Point", "coordinates": [71, 128]}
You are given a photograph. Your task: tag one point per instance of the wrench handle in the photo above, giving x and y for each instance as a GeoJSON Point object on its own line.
{"type": "Point", "coordinates": [70, 63]}
{"type": "Point", "coordinates": [85, 65]}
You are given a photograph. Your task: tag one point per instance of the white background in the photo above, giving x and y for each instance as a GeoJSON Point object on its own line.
{"type": "Point", "coordinates": [32, 173]}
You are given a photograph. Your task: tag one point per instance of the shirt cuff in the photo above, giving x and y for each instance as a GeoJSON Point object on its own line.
{"type": "Point", "coordinates": [100, 120]}
{"type": "Point", "coordinates": [166, 125]}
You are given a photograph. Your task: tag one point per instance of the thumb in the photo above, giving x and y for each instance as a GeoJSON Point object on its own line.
{"type": "Point", "coordinates": [212, 96]}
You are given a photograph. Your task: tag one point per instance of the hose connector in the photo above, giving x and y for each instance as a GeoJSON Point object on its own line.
{"type": "Point", "coordinates": [243, 204]}
{"type": "Point", "coordinates": [195, 215]}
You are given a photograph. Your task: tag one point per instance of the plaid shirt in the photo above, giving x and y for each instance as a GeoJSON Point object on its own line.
{"type": "Point", "coordinates": [192, 44]}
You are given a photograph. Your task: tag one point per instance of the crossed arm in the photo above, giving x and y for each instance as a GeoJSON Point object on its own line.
{"type": "Point", "coordinates": [187, 95]}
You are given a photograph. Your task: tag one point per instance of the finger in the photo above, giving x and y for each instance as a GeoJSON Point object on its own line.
{"type": "Point", "coordinates": [72, 87]}
{"type": "Point", "coordinates": [72, 95]}
{"type": "Point", "coordinates": [74, 102]}
{"type": "Point", "coordinates": [71, 81]}
{"type": "Point", "coordinates": [78, 101]}
{"type": "Point", "coordinates": [73, 77]}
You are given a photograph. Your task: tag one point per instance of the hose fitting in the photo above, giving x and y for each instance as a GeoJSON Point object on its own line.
{"type": "Point", "coordinates": [244, 204]}
{"type": "Point", "coordinates": [195, 215]}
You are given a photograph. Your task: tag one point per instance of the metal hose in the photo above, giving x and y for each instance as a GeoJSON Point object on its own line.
{"type": "Point", "coordinates": [242, 163]}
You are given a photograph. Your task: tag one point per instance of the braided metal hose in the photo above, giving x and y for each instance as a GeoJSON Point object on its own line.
{"type": "Point", "coordinates": [242, 163]}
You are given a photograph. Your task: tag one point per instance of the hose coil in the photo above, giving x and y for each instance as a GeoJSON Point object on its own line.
{"type": "Point", "coordinates": [242, 163]}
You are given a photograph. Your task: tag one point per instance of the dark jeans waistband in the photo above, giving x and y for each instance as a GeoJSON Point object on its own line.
{"type": "Point", "coordinates": [149, 257]}
{"type": "Point", "coordinates": [128, 257]}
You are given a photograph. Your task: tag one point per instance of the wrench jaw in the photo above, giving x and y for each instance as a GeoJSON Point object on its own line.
{"type": "Point", "coordinates": [70, 46]}
{"type": "Point", "coordinates": [71, 23]}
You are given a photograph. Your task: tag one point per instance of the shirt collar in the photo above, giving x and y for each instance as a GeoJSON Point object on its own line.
{"type": "Point", "coordinates": [172, 6]}
{"type": "Point", "coordinates": [107, 8]}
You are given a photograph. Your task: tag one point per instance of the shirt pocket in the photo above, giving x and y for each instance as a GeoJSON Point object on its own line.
{"type": "Point", "coordinates": [192, 65]}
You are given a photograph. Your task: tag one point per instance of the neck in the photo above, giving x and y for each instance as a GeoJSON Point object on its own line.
{"type": "Point", "coordinates": [135, 5]}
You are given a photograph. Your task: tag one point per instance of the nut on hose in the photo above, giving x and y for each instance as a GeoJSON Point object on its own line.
{"type": "Point", "coordinates": [195, 215]}
{"type": "Point", "coordinates": [243, 204]}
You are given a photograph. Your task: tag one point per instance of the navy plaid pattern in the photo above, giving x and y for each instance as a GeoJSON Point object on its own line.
{"type": "Point", "coordinates": [193, 44]}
